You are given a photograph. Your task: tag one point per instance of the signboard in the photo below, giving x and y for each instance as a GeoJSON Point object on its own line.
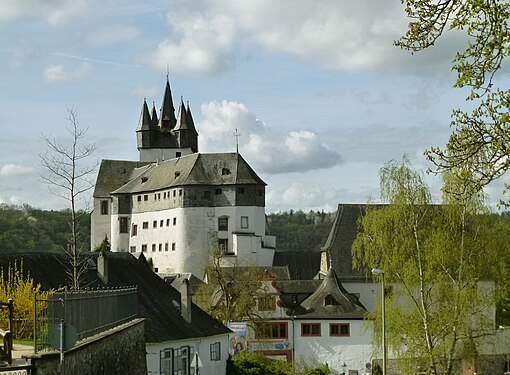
{"type": "Point", "coordinates": [238, 341]}
{"type": "Point", "coordinates": [14, 372]}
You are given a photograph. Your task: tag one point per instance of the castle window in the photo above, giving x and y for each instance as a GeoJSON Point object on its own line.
{"type": "Point", "coordinates": [123, 225]}
{"type": "Point", "coordinates": [155, 224]}
{"type": "Point", "coordinates": [145, 197]}
{"type": "Point", "coordinates": [177, 174]}
{"type": "Point", "coordinates": [178, 154]}
{"type": "Point", "coordinates": [174, 193]}
{"type": "Point", "coordinates": [244, 222]}
{"type": "Point", "coordinates": [132, 249]}
{"type": "Point", "coordinates": [175, 221]}
{"type": "Point", "coordinates": [139, 198]}
{"type": "Point", "coordinates": [134, 230]}
{"type": "Point", "coordinates": [166, 246]}
{"type": "Point", "coordinates": [310, 329]}
{"type": "Point", "coordinates": [160, 247]}
{"type": "Point", "coordinates": [161, 223]}
{"type": "Point", "coordinates": [222, 223]}
{"type": "Point", "coordinates": [173, 246]}
{"type": "Point", "coordinates": [164, 195]}
{"type": "Point", "coordinates": [225, 171]}
{"type": "Point", "coordinates": [144, 179]}
{"type": "Point", "coordinates": [180, 192]}
{"type": "Point", "coordinates": [153, 247]}
{"type": "Point", "coordinates": [155, 196]}
{"type": "Point", "coordinates": [167, 222]}
{"type": "Point", "coordinates": [156, 269]}
{"type": "Point", "coordinates": [207, 194]}
{"type": "Point", "coordinates": [272, 331]}
{"type": "Point", "coordinates": [159, 196]}
{"type": "Point", "coordinates": [217, 191]}
{"type": "Point", "coordinates": [339, 329]}
{"type": "Point", "coordinates": [145, 225]}
{"type": "Point", "coordinates": [223, 245]}
{"type": "Point", "coordinates": [215, 351]}
{"type": "Point", "coordinates": [144, 248]}
{"type": "Point", "coordinates": [104, 207]}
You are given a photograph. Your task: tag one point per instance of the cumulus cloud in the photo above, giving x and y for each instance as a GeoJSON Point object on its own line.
{"type": "Point", "coordinates": [204, 47]}
{"type": "Point", "coordinates": [269, 151]}
{"type": "Point", "coordinates": [8, 170]}
{"type": "Point", "coordinates": [54, 73]}
{"type": "Point", "coordinates": [57, 12]}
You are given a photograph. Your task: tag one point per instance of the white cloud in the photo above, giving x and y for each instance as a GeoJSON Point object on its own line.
{"type": "Point", "coordinates": [145, 91]}
{"type": "Point", "coordinates": [56, 12]}
{"type": "Point", "coordinates": [204, 48]}
{"type": "Point", "coordinates": [8, 170]}
{"type": "Point", "coordinates": [54, 73]}
{"type": "Point", "coordinates": [268, 150]}
{"type": "Point", "coordinates": [302, 196]}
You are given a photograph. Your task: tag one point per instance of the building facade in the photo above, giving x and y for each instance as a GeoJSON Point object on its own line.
{"type": "Point", "coordinates": [175, 205]}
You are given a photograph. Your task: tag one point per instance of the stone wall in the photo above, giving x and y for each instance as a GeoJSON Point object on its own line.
{"type": "Point", "coordinates": [120, 350]}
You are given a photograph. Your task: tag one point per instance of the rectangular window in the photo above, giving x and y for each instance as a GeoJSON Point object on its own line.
{"type": "Point", "coordinates": [139, 198]}
{"type": "Point", "coordinates": [178, 154]}
{"type": "Point", "coordinates": [167, 222]}
{"type": "Point", "coordinates": [160, 247]}
{"type": "Point", "coordinates": [145, 197]}
{"type": "Point", "coordinates": [134, 230]}
{"type": "Point", "coordinates": [164, 195]}
{"type": "Point", "coordinates": [155, 196]}
{"type": "Point", "coordinates": [215, 351]}
{"type": "Point", "coordinates": [217, 191]}
{"type": "Point", "coordinates": [173, 246]}
{"type": "Point", "coordinates": [161, 223]}
{"type": "Point", "coordinates": [223, 223]}
{"type": "Point", "coordinates": [267, 303]}
{"type": "Point", "coordinates": [339, 329]}
{"type": "Point", "coordinates": [132, 249]}
{"type": "Point", "coordinates": [272, 331]}
{"type": "Point", "coordinates": [223, 245]}
{"type": "Point", "coordinates": [144, 248]}
{"type": "Point", "coordinates": [182, 358]}
{"type": "Point", "coordinates": [180, 192]}
{"type": "Point", "coordinates": [175, 221]}
{"type": "Point", "coordinates": [310, 329]}
{"type": "Point", "coordinates": [123, 225]}
{"type": "Point", "coordinates": [153, 247]}
{"type": "Point", "coordinates": [174, 193]}
{"type": "Point", "coordinates": [244, 222]}
{"type": "Point", "coordinates": [166, 246]}
{"type": "Point", "coordinates": [104, 207]}
{"type": "Point", "coordinates": [159, 196]}
{"type": "Point", "coordinates": [165, 362]}
{"type": "Point", "coordinates": [127, 199]}
{"type": "Point", "coordinates": [145, 225]}
{"type": "Point", "coordinates": [155, 224]}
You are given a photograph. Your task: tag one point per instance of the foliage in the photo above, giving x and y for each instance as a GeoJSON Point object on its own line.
{"type": "Point", "coordinates": [480, 140]}
{"type": "Point", "coordinates": [69, 179]}
{"type": "Point", "coordinates": [438, 257]}
{"type": "Point", "coordinates": [253, 363]}
{"type": "Point", "coordinates": [25, 228]}
{"type": "Point", "coordinates": [228, 294]}
{"type": "Point", "coordinates": [297, 231]}
{"type": "Point", "coordinates": [20, 287]}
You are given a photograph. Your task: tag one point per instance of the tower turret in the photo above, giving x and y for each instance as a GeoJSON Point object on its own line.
{"type": "Point", "coordinates": [145, 130]}
{"type": "Point", "coordinates": [167, 115]}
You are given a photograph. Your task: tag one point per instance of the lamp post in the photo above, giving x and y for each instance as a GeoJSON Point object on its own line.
{"type": "Point", "coordinates": [377, 271]}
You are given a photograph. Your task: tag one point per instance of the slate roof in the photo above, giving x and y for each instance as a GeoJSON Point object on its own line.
{"type": "Point", "coordinates": [343, 304]}
{"type": "Point", "coordinates": [163, 321]}
{"type": "Point", "coordinates": [115, 173]}
{"type": "Point", "coordinates": [302, 265]}
{"type": "Point", "coordinates": [195, 169]}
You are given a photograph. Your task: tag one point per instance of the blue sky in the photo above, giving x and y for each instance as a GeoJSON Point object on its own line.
{"type": "Point", "coordinates": [319, 94]}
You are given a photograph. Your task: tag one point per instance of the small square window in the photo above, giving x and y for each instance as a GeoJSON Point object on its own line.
{"type": "Point", "coordinates": [146, 197]}
{"type": "Point", "coordinates": [223, 223]}
{"type": "Point", "coordinates": [166, 246]}
{"type": "Point", "coordinates": [144, 248]}
{"type": "Point", "coordinates": [339, 329]}
{"type": "Point", "coordinates": [139, 198]}
{"type": "Point", "coordinates": [217, 191]}
{"type": "Point", "coordinates": [153, 247]}
{"type": "Point", "coordinates": [223, 245]}
{"type": "Point", "coordinates": [178, 154]}
{"type": "Point", "coordinates": [132, 249]}
{"type": "Point", "coordinates": [145, 225]}
{"type": "Point", "coordinates": [180, 192]}
{"type": "Point", "coordinates": [310, 329]}
{"type": "Point", "coordinates": [244, 222]}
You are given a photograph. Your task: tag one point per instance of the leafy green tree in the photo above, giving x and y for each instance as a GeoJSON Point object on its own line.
{"type": "Point", "coordinates": [480, 139]}
{"type": "Point", "coordinates": [438, 259]}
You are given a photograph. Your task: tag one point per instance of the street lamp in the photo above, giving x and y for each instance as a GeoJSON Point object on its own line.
{"type": "Point", "coordinates": [377, 271]}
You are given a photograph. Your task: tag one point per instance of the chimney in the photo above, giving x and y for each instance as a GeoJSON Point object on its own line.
{"type": "Point", "coordinates": [102, 266]}
{"type": "Point", "coordinates": [186, 301]}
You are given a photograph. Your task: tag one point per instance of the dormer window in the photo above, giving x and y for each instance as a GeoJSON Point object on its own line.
{"type": "Point", "coordinates": [330, 301]}
{"type": "Point", "coordinates": [177, 174]}
{"type": "Point", "coordinates": [225, 171]}
{"type": "Point", "coordinates": [144, 179]}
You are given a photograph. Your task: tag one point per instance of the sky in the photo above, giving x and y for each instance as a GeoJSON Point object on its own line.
{"type": "Point", "coordinates": [317, 91]}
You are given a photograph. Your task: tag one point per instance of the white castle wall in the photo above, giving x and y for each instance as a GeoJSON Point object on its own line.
{"type": "Point", "coordinates": [100, 224]}
{"type": "Point", "coordinates": [153, 154]}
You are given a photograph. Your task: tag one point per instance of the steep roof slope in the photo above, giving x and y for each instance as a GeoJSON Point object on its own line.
{"type": "Point", "coordinates": [163, 321]}
{"type": "Point", "coordinates": [194, 169]}
{"type": "Point", "coordinates": [302, 265]}
{"type": "Point", "coordinates": [115, 173]}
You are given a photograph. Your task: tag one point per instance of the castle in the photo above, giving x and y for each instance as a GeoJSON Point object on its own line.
{"type": "Point", "coordinates": [175, 204]}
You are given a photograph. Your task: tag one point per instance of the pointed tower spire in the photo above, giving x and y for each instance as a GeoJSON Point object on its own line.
{"type": "Point", "coordinates": [181, 123]}
{"type": "Point", "coordinates": [167, 115]}
{"type": "Point", "coordinates": [193, 136]}
{"type": "Point", "coordinates": [144, 131]}
{"type": "Point", "coordinates": [144, 123]}
{"type": "Point", "coordinates": [154, 116]}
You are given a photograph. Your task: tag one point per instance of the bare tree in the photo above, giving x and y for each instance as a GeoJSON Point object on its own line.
{"type": "Point", "coordinates": [69, 176]}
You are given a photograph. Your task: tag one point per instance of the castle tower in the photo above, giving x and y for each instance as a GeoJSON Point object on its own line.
{"type": "Point", "coordinates": [166, 137]}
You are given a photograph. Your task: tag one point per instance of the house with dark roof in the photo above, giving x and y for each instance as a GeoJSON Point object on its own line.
{"type": "Point", "coordinates": [175, 204]}
{"type": "Point", "coordinates": [177, 332]}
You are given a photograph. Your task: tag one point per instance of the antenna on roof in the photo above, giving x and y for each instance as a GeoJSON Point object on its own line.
{"type": "Point", "coordinates": [237, 135]}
